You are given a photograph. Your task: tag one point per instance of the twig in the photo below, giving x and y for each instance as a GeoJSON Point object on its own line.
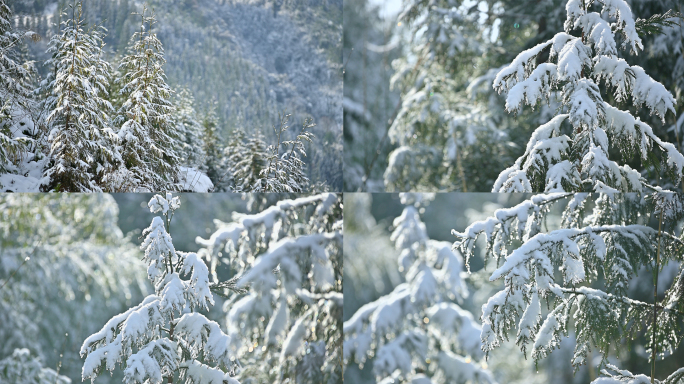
{"type": "Point", "coordinates": [655, 301]}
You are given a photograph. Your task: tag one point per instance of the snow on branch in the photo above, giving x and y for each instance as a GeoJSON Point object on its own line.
{"type": "Point", "coordinates": [419, 320]}
{"type": "Point", "coordinates": [580, 160]}
{"type": "Point", "coordinates": [599, 239]}
{"type": "Point", "coordinates": [286, 262]}
{"type": "Point", "coordinates": [163, 344]}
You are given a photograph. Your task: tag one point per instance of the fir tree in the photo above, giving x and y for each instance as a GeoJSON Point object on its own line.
{"type": "Point", "coordinates": [287, 326]}
{"type": "Point", "coordinates": [450, 130]}
{"type": "Point", "coordinates": [16, 101]}
{"type": "Point", "coordinates": [581, 268]}
{"type": "Point", "coordinates": [190, 130]}
{"type": "Point", "coordinates": [149, 141]}
{"type": "Point", "coordinates": [419, 322]}
{"type": "Point", "coordinates": [249, 160]}
{"type": "Point", "coordinates": [212, 145]}
{"type": "Point", "coordinates": [21, 367]}
{"type": "Point", "coordinates": [168, 334]}
{"type": "Point", "coordinates": [79, 134]}
{"type": "Point", "coordinates": [226, 181]}
{"type": "Point", "coordinates": [576, 156]}
{"type": "Point", "coordinates": [284, 172]}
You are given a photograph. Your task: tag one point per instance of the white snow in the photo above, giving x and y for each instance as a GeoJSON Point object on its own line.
{"type": "Point", "coordinates": [198, 373]}
{"type": "Point", "coordinates": [193, 180]}
{"type": "Point", "coordinates": [198, 285]}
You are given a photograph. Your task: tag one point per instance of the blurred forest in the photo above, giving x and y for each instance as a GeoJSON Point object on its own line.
{"type": "Point", "coordinates": [237, 65]}
{"type": "Point", "coordinates": [420, 111]}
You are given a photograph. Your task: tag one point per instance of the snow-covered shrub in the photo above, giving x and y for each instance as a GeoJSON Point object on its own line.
{"type": "Point", "coordinates": [418, 333]}
{"type": "Point", "coordinates": [582, 271]}
{"type": "Point", "coordinates": [576, 149]}
{"type": "Point", "coordinates": [65, 267]}
{"type": "Point", "coordinates": [22, 368]}
{"type": "Point", "coordinates": [287, 324]}
{"type": "Point", "coordinates": [164, 337]}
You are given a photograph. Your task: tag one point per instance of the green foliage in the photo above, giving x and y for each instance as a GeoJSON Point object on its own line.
{"type": "Point", "coordinates": [654, 25]}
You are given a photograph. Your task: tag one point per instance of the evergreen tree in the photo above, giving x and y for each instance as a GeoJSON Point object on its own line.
{"type": "Point", "coordinates": [149, 141]}
{"type": "Point", "coordinates": [226, 181]}
{"type": "Point", "coordinates": [79, 134]}
{"type": "Point", "coordinates": [249, 160]}
{"type": "Point", "coordinates": [286, 326]}
{"type": "Point", "coordinates": [582, 268]}
{"type": "Point", "coordinates": [21, 367]}
{"type": "Point", "coordinates": [189, 129]}
{"type": "Point", "coordinates": [285, 173]}
{"type": "Point", "coordinates": [450, 129]}
{"type": "Point", "coordinates": [417, 333]}
{"type": "Point", "coordinates": [576, 156]}
{"type": "Point", "coordinates": [212, 144]}
{"type": "Point", "coordinates": [16, 101]}
{"type": "Point", "coordinates": [169, 335]}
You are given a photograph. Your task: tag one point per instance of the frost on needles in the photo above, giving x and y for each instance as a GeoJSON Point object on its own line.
{"type": "Point", "coordinates": [579, 274]}
{"type": "Point", "coordinates": [164, 336]}
{"type": "Point", "coordinates": [419, 327]}
{"type": "Point", "coordinates": [571, 151]}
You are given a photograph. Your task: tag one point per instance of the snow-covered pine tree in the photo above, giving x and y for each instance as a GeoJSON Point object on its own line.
{"type": "Point", "coordinates": [170, 337]}
{"type": "Point", "coordinates": [284, 172]}
{"type": "Point", "coordinates": [189, 130]}
{"type": "Point", "coordinates": [288, 327]}
{"type": "Point", "coordinates": [576, 156]}
{"type": "Point", "coordinates": [80, 137]}
{"type": "Point", "coordinates": [16, 101]}
{"type": "Point", "coordinates": [22, 368]}
{"type": "Point", "coordinates": [451, 131]}
{"type": "Point", "coordinates": [149, 141]}
{"type": "Point", "coordinates": [249, 159]}
{"type": "Point", "coordinates": [226, 164]}
{"type": "Point", "coordinates": [582, 269]}
{"type": "Point", "coordinates": [212, 145]}
{"type": "Point", "coordinates": [418, 333]}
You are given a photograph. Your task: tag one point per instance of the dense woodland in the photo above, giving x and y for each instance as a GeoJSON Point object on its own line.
{"type": "Point", "coordinates": [196, 96]}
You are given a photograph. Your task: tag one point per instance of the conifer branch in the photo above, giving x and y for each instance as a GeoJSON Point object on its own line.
{"type": "Point", "coordinates": [656, 268]}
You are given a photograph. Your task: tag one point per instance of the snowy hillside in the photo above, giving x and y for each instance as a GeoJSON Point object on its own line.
{"type": "Point", "coordinates": [242, 63]}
